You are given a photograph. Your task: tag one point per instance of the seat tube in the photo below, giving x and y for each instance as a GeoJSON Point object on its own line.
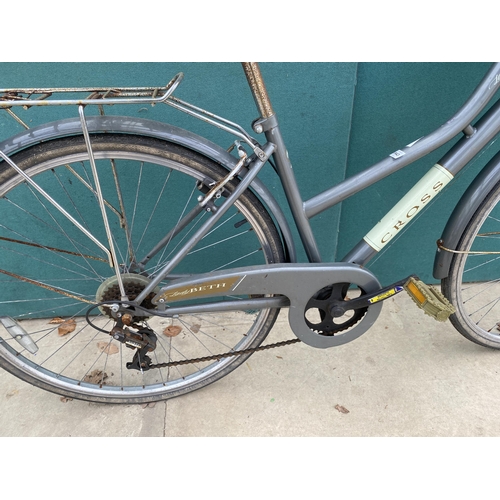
{"type": "Point", "coordinates": [272, 131]}
{"type": "Point", "coordinates": [287, 176]}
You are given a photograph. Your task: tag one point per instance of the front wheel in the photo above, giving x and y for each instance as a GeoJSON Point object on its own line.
{"type": "Point", "coordinates": [52, 273]}
{"type": "Point", "coordinates": [473, 283]}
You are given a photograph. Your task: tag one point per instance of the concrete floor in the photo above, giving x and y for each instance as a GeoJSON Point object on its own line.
{"type": "Point", "coordinates": [407, 376]}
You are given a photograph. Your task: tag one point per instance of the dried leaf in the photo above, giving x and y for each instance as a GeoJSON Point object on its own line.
{"type": "Point", "coordinates": [195, 328]}
{"type": "Point", "coordinates": [66, 327]}
{"type": "Point", "coordinates": [65, 400]}
{"type": "Point", "coordinates": [341, 409]}
{"type": "Point", "coordinates": [172, 331]}
{"type": "Point", "coordinates": [107, 348]}
{"type": "Point", "coordinates": [95, 377]}
{"type": "Point", "coordinates": [56, 321]}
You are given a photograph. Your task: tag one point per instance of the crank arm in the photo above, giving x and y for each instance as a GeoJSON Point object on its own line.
{"type": "Point", "coordinates": [369, 299]}
{"type": "Point", "coordinates": [430, 300]}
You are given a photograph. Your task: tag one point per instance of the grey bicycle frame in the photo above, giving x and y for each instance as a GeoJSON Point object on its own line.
{"type": "Point", "coordinates": [476, 137]}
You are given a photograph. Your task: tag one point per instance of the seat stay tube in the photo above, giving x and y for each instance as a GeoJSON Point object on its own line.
{"type": "Point", "coordinates": [253, 170]}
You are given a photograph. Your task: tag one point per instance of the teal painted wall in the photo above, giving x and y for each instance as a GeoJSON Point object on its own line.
{"type": "Point", "coordinates": [337, 119]}
{"type": "Point", "coordinates": [394, 105]}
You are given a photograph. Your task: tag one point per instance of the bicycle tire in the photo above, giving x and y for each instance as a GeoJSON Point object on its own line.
{"type": "Point", "coordinates": [473, 282]}
{"type": "Point", "coordinates": [39, 243]}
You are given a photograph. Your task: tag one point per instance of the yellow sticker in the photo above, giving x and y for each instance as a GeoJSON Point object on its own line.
{"type": "Point", "coordinates": [385, 295]}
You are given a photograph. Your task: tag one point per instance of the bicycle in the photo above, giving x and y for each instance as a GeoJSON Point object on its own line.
{"type": "Point", "coordinates": [114, 291]}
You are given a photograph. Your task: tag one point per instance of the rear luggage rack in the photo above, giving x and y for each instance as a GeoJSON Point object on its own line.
{"type": "Point", "coordinates": [97, 96]}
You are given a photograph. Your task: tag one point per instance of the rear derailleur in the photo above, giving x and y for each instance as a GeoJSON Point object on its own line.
{"type": "Point", "coordinates": [144, 340]}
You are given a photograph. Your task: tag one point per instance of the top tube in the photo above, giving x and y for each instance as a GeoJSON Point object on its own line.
{"type": "Point", "coordinates": [412, 152]}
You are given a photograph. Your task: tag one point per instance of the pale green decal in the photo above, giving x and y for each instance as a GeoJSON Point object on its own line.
{"type": "Point", "coordinates": [411, 205]}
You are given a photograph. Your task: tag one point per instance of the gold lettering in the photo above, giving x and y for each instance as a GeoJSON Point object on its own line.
{"type": "Point", "coordinates": [200, 290]}
{"type": "Point", "coordinates": [437, 186]}
{"type": "Point", "coordinates": [386, 238]}
{"type": "Point", "coordinates": [425, 198]}
{"type": "Point", "coordinates": [398, 225]}
{"type": "Point", "coordinates": [411, 213]}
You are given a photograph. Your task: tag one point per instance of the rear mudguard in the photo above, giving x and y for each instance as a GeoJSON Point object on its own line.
{"type": "Point", "coordinates": [463, 212]}
{"type": "Point", "coordinates": [137, 126]}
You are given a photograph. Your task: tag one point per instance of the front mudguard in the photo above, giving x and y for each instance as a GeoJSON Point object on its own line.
{"type": "Point", "coordinates": [463, 212]}
{"type": "Point", "coordinates": [149, 128]}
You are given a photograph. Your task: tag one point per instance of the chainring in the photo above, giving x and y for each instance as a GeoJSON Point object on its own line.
{"type": "Point", "coordinates": [317, 312]}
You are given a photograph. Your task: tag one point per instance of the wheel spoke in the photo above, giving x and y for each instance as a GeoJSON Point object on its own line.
{"type": "Point", "coordinates": [47, 227]}
{"type": "Point", "coordinates": [159, 197]}
{"type": "Point", "coordinates": [91, 189]}
{"type": "Point", "coordinates": [52, 249]}
{"type": "Point", "coordinates": [45, 286]}
{"type": "Point", "coordinates": [161, 263]}
{"type": "Point", "coordinates": [122, 214]}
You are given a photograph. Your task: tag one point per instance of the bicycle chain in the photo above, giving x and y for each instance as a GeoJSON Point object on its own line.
{"type": "Point", "coordinates": [218, 357]}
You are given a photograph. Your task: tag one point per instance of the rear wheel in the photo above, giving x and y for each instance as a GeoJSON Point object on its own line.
{"type": "Point", "coordinates": [51, 272]}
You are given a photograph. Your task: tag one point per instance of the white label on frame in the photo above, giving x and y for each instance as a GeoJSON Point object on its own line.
{"type": "Point", "coordinates": [397, 154]}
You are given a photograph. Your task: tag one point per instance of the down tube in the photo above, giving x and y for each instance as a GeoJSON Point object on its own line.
{"type": "Point", "coordinates": [413, 203]}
